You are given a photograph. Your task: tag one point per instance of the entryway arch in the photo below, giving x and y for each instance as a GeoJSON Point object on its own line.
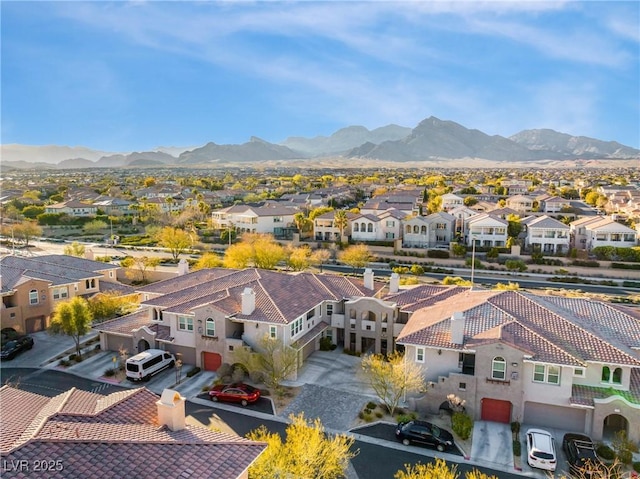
{"type": "Point", "coordinates": [143, 345]}
{"type": "Point", "coordinates": [614, 423]}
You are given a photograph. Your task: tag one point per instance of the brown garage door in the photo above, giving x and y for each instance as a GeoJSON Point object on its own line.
{"type": "Point", "coordinates": [496, 410]}
{"type": "Point", "coordinates": [211, 361]}
{"type": "Point", "coordinates": [539, 414]}
{"type": "Point", "coordinates": [33, 325]}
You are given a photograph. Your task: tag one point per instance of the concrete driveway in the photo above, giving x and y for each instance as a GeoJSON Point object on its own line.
{"type": "Point", "coordinates": [45, 347]}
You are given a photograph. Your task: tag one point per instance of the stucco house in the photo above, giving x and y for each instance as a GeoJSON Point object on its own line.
{"type": "Point", "coordinates": [266, 218]}
{"type": "Point", "coordinates": [520, 203]}
{"type": "Point", "coordinates": [206, 314]}
{"type": "Point", "coordinates": [132, 433]}
{"type": "Point", "coordinates": [591, 232]}
{"type": "Point", "coordinates": [486, 230]}
{"type": "Point", "coordinates": [437, 229]}
{"type": "Point", "coordinates": [546, 234]}
{"type": "Point", "coordinates": [450, 201]}
{"type": "Point", "coordinates": [31, 287]}
{"type": "Point", "coordinates": [567, 363]}
{"type": "Point", "coordinates": [72, 208]}
{"type": "Point", "coordinates": [384, 226]}
{"type": "Point", "coordinates": [325, 229]}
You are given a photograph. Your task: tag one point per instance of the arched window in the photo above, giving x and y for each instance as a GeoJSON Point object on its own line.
{"type": "Point", "coordinates": [363, 227]}
{"type": "Point", "coordinates": [606, 374]}
{"type": "Point", "coordinates": [356, 227]}
{"type": "Point", "coordinates": [211, 327]}
{"type": "Point", "coordinates": [416, 229]}
{"type": "Point", "coordinates": [33, 296]}
{"type": "Point", "coordinates": [617, 376]}
{"type": "Point", "coordinates": [498, 368]}
{"type": "Point", "coordinates": [424, 230]}
{"type": "Point", "coordinates": [370, 228]}
{"type": "Point", "coordinates": [408, 229]}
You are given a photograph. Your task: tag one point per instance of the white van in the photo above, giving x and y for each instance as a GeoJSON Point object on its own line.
{"type": "Point", "coordinates": [147, 363]}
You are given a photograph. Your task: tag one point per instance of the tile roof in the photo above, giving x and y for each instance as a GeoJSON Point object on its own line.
{"type": "Point", "coordinates": [113, 436]}
{"type": "Point", "coordinates": [584, 395]}
{"type": "Point", "coordinates": [550, 329]}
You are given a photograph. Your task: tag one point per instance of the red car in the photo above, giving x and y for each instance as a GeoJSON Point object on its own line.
{"type": "Point", "coordinates": [238, 392]}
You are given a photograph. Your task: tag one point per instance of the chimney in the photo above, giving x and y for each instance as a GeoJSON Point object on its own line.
{"type": "Point", "coordinates": [171, 410]}
{"type": "Point", "coordinates": [368, 278]}
{"type": "Point", "coordinates": [457, 328]}
{"type": "Point", "coordinates": [248, 301]}
{"type": "Point", "coordinates": [183, 267]}
{"type": "Point", "coordinates": [88, 254]}
{"type": "Point", "coordinates": [394, 283]}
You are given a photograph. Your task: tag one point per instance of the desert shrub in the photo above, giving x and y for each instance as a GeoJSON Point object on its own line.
{"type": "Point", "coordinates": [371, 405]}
{"type": "Point", "coordinates": [625, 265]}
{"type": "Point", "coordinates": [72, 357]}
{"type": "Point", "coordinates": [623, 447]}
{"type": "Point", "coordinates": [379, 414]}
{"type": "Point", "coordinates": [462, 424]}
{"type": "Point", "coordinates": [515, 427]}
{"type": "Point", "coordinates": [256, 376]}
{"type": "Point", "coordinates": [193, 372]}
{"type": "Point", "coordinates": [636, 466]}
{"type": "Point", "coordinates": [515, 265]}
{"type": "Point", "coordinates": [64, 363]}
{"type": "Point", "coordinates": [400, 270]}
{"type": "Point", "coordinates": [585, 263]}
{"type": "Point", "coordinates": [417, 270]}
{"type": "Point", "coordinates": [110, 372]}
{"type": "Point", "coordinates": [438, 253]}
{"type": "Point", "coordinates": [225, 369]}
{"type": "Point", "coordinates": [406, 417]}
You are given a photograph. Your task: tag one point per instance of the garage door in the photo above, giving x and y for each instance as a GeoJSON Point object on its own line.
{"type": "Point", "coordinates": [496, 410]}
{"type": "Point", "coordinates": [539, 414]}
{"type": "Point", "coordinates": [211, 361]}
{"type": "Point", "coordinates": [33, 325]}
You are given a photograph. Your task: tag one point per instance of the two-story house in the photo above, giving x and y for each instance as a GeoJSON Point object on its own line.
{"type": "Point", "coordinates": [486, 230]}
{"type": "Point", "coordinates": [591, 232]}
{"type": "Point", "coordinates": [31, 287]}
{"type": "Point", "coordinates": [451, 201]}
{"type": "Point", "coordinates": [384, 226]}
{"type": "Point", "coordinates": [269, 218]}
{"type": "Point", "coordinates": [206, 314]}
{"type": "Point", "coordinates": [521, 203]}
{"type": "Point", "coordinates": [567, 363]}
{"type": "Point", "coordinates": [546, 234]}
{"type": "Point", "coordinates": [437, 229]}
{"type": "Point", "coordinates": [326, 229]}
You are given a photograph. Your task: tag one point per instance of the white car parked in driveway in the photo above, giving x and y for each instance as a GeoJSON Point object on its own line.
{"type": "Point", "coordinates": [541, 449]}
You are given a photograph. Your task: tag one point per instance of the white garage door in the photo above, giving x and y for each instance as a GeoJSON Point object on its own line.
{"type": "Point", "coordinates": [570, 419]}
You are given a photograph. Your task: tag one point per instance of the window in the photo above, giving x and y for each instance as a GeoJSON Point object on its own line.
{"type": "Point", "coordinates": [408, 229]}
{"type": "Point", "coordinates": [185, 323]}
{"type": "Point", "coordinates": [33, 296]}
{"type": "Point", "coordinates": [370, 228]}
{"type": "Point", "coordinates": [296, 327]}
{"type": "Point", "coordinates": [311, 314]}
{"type": "Point", "coordinates": [614, 377]}
{"type": "Point", "coordinates": [441, 226]}
{"type": "Point", "coordinates": [329, 309]}
{"type": "Point", "coordinates": [157, 314]}
{"type": "Point", "coordinates": [60, 293]}
{"type": "Point", "coordinates": [420, 355]}
{"type": "Point", "coordinates": [462, 386]}
{"type": "Point", "coordinates": [498, 368]}
{"type": "Point", "coordinates": [390, 224]}
{"type": "Point", "coordinates": [210, 327]}
{"type": "Point", "coordinates": [356, 227]}
{"type": "Point", "coordinates": [273, 332]}
{"type": "Point", "coordinates": [368, 327]}
{"type": "Point", "coordinates": [579, 372]}
{"type": "Point", "coordinates": [546, 373]}
{"type": "Point", "coordinates": [90, 283]}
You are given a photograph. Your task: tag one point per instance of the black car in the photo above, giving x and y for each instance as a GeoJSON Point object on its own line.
{"type": "Point", "coordinates": [581, 455]}
{"type": "Point", "coordinates": [15, 346]}
{"type": "Point", "coordinates": [423, 432]}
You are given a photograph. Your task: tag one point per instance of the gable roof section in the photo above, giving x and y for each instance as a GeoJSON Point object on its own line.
{"type": "Point", "coordinates": [544, 222]}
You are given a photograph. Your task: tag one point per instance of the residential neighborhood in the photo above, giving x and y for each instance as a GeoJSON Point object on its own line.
{"type": "Point", "coordinates": [563, 362]}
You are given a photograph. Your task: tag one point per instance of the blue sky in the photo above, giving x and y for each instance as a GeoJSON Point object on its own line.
{"type": "Point", "coordinates": [130, 76]}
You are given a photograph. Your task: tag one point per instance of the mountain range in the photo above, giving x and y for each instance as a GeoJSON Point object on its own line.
{"type": "Point", "coordinates": [431, 139]}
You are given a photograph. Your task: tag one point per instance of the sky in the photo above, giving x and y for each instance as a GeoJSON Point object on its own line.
{"type": "Point", "coordinates": [132, 76]}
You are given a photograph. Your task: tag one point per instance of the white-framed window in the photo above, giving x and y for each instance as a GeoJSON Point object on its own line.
{"type": "Point", "coordinates": [185, 323]}
{"type": "Point", "coordinates": [311, 313]}
{"type": "Point", "coordinates": [90, 283]}
{"type": "Point", "coordinates": [329, 309]}
{"type": "Point", "coordinates": [210, 327]}
{"type": "Point", "coordinates": [296, 327]}
{"type": "Point", "coordinates": [578, 372]}
{"type": "Point", "coordinates": [498, 368]}
{"type": "Point", "coordinates": [157, 314]}
{"type": "Point", "coordinates": [273, 332]}
{"type": "Point", "coordinates": [420, 355]}
{"type": "Point", "coordinates": [611, 374]}
{"type": "Point", "coordinates": [33, 296]}
{"type": "Point", "coordinates": [60, 293]}
{"type": "Point", "coordinates": [546, 373]}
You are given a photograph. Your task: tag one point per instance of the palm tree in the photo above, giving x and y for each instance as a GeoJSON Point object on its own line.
{"type": "Point", "coordinates": [341, 221]}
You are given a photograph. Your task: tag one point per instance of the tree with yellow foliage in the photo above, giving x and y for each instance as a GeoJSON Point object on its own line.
{"type": "Point", "coordinates": [259, 250]}
{"type": "Point", "coordinates": [208, 260]}
{"type": "Point", "coordinates": [356, 256]}
{"type": "Point", "coordinates": [437, 470]}
{"type": "Point", "coordinates": [307, 452]}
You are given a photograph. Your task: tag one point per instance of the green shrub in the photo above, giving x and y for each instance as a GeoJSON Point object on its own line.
{"type": "Point", "coordinates": [517, 448]}
{"type": "Point", "coordinates": [406, 417]}
{"type": "Point", "coordinates": [325, 344]}
{"type": "Point", "coordinates": [605, 452]}
{"type": "Point", "coordinates": [64, 363]}
{"type": "Point", "coordinates": [72, 357]}
{"type": "Point", "coordinates": [193, 372]}
{"type": "Point", "coordinates": [371, 405]}
{"type": "Point", "coordinates": [586, 263]}
{"type": "Point", "coordinates": [110, 372]}
{"type": "Point", "coordinates": [625, 265]}
{"type": "Point", "coordinates": [636, 466]}
{"type": "Point", "coordinates": [515, 427]}
{"type": "Point", "coordinates": [379, 414]}
{"type": "Point", "coordinates": [438, 253]}
{"type": "Point", "coordinates": [462, 425]}
{"type": "Point", "coordinates": [225, 369]}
